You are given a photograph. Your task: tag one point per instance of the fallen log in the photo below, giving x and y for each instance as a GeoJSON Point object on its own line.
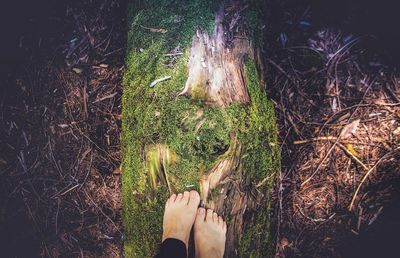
{"type": "Point", "coordinates": [208, 127]}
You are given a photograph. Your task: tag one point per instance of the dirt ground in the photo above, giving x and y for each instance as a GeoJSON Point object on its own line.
{"type": "Point", "coordinates": [332, 73]}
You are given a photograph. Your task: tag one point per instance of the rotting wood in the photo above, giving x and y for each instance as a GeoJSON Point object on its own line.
{"type": "Point", "coordinates": [216, 76]}
{"type": "Point", "coordinates": [216, 69]}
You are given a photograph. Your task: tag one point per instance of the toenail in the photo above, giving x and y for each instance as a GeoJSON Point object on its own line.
{"type": "Point", "coordinates": [201, 211]}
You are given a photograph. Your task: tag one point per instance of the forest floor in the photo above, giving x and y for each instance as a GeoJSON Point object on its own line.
{"type": "Point", "coordinates": [62, 67]}
{"type": "Point", "coordinates": [331, 73]}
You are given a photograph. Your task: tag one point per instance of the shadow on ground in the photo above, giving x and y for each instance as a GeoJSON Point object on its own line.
{"type": "Point", "coordinates": [61, 65]}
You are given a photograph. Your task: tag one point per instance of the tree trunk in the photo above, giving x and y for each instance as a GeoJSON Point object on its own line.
{"type": "Point", "coordinates": [196, 116]}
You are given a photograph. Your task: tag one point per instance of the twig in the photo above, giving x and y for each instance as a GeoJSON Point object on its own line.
{"type": "Point", "coordinates": [312, 219]}
{"type": "Point", "coordinates": [106, 97]}
{"type": "Point", "coordinates": [265, 180]}
{"type": "Point", "coordinates": [85, 100]}
{"type": "Point", "coordinates": [322, 162]}
{"type": "Point", "coordinates": [102, 212]}
{"type": "Point", "coordinates": [94, 144]}
{"type": "Point", "coordinates": [372, 220]}
{"type": "Point", "coordinates": [88, 172]}
{"type": "Point", "coordinates": [159, 80]}
{"type": "Point", "coordinates": [322, 138]}
{"type": "Point", "coordinates": [338, 138]}
{"type": "Point", "coordinates": [346, 47]}
{"type": "Point", "coordinates": [281, 70]}
{"type": "Point", "coordinates": [280, 201]}
{"type": "Point", "coordinates": [70, 189]}
{"type": "Point", "coordinates": [174, 54]}
{"type": "Point", "coordinates": [54, 159]}
{"type": "Point", "coordinates": [366, 176]}
{"type": "Point", "coordinates": [112, 52]}
{"type": "Point", "coordinates": [58, 210]}
{"type": "Point", "coordinates": [392, 93]}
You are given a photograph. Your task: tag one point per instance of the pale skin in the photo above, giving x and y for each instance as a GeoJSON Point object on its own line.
{"type": "Point", "coordinates": [182, 214]}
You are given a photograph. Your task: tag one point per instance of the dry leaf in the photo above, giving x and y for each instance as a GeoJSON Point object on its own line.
{"type": "Point", "coordinates": [117, 170]}
{"type": "Point", "coordinates": [351, 149]}
{"type": "Point", "coordinates": [349, 129]}
{"type": "Point", "coordinates": [77, 70]}
{"type": "Point", "coordinates": [162, 31]}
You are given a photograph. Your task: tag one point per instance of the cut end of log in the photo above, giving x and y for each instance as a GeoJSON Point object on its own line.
{"type": "Point", "coordinates": [216, 69]}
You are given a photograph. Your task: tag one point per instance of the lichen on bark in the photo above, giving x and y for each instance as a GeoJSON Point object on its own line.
{"type": "Point", "coordinates": [210, 128]}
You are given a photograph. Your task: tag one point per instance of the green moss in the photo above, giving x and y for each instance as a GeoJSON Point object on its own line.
{"type": "Point", "coordinates": [261, 160]}
{"type": "Point", "coordinates": [197, 133]}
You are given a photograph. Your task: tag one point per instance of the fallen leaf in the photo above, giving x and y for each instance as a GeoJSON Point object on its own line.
{"type": "Point", "coordinates": [159, 80]}
{"type": "Point", "coordinates": [351, 149]}
{"type": "Point", "coordinates": [349, 129]}
{"type": "Point", "coordinates": [162, 31]}
{"type": "Point", "coordinates": [77, 70]}
{"type": "Point", "coordinates": [117, 170]}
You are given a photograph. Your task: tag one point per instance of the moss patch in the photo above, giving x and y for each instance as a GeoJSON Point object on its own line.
{"type": "Point", "coordinates": [196, 133]}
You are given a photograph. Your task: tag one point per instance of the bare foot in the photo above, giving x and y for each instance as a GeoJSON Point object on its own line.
{"type": "Point", "coordinates": [179, 215]}
{"type": "Point", "coordinates": [209, 234]}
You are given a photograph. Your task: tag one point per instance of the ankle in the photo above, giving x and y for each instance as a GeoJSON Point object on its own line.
{"type": "Point", "coordinates": [210, 252]}
{"type": "Point", "coordinates": [177, 235]}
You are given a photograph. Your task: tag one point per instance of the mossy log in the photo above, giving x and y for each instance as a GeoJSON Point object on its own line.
{"type": "Point", "coordinates": [196, 116]}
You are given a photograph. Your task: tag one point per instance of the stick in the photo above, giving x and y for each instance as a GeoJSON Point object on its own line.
{"type": "Point", "coordinates": [366, 176]}
{"type": "Point", "coordinates": [159, 80]}
{"type": "Point", "coordinates": [106, 97]}
{"type": "Point", "coordinates": [174, 54]}
{"type": "Point", "coordinates": [322, 138]}
{"type": "Point", "coordinates": [338, 138]}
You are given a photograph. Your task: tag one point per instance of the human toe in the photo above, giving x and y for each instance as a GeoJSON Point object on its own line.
{"type": "Point", "coordinates": [194, 199]}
